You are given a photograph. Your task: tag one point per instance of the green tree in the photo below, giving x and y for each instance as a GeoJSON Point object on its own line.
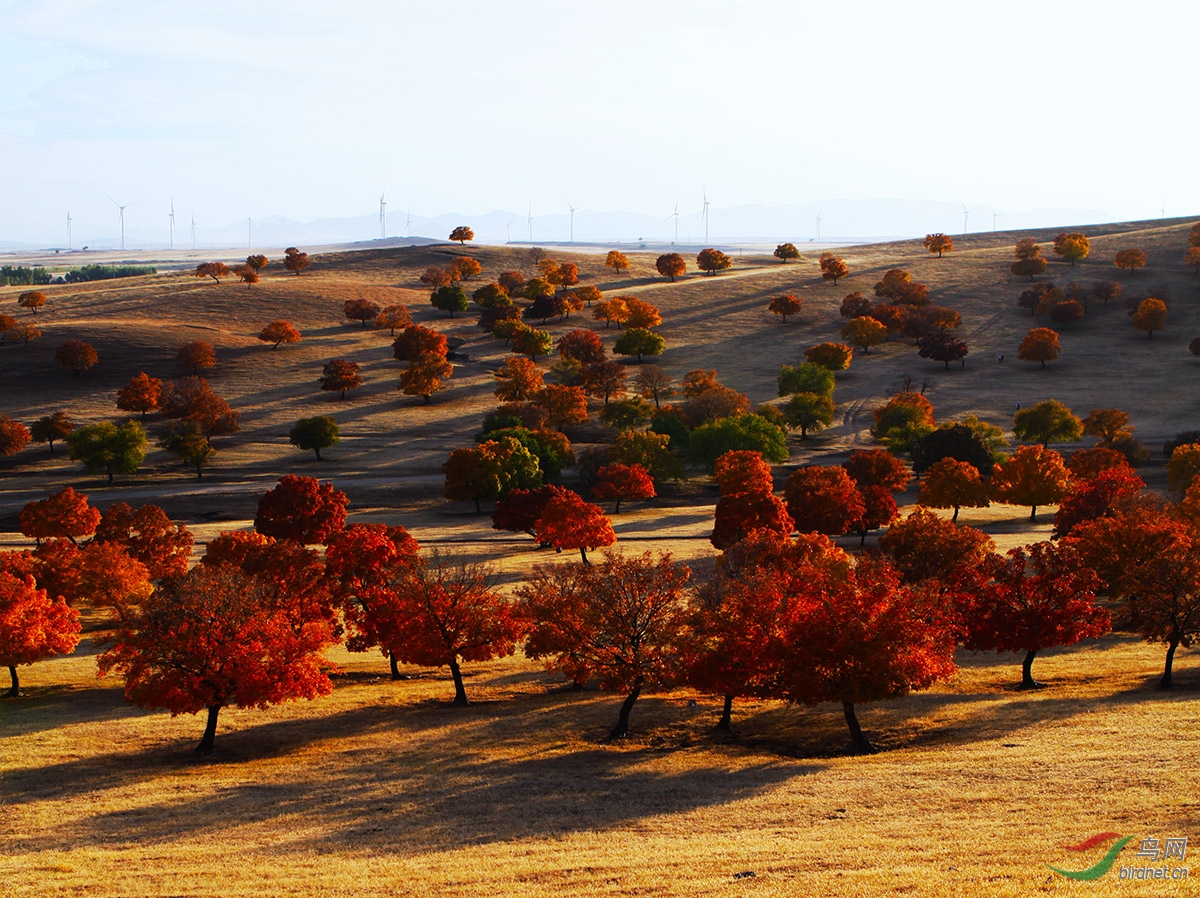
{"type": "Point", "coordinates": [1047, 422]}
{"type": "Point", "coordinates": [315, 433]}
{"type": "Point", "coordinates": [808, 411]}
{"type": "Point", "coordinates": [449, 299]}
{"type": "Point", "coordinates": [808, 377]}
{"type": "Point", "coordinates": [640, 342]}
{"type": "Point", "coordinates": [749, 431]}
{"type": "Point", "coordinates": [531, 342]}
{"type": "Point", "coordinates": [108, 448]}
{"type": "Point", "coordinates": [190, 445]}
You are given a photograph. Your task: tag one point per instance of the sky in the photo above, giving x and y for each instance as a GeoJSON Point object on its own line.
{"type": "Point", "coordinates": [311, 110]}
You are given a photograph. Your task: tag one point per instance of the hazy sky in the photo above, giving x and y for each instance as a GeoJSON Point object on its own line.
{"type": "Point", "coordinates": [311, 109]}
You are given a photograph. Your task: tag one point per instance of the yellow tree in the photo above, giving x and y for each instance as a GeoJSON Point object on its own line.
{"type": "Point", "coordinates": [424, 375]}
{"type": "Point", "coordinates": [616, 260]}
{"type": "Point", "coordinates": [1072, 247]}
{"type": "Point", "coordinates": [865, 332]}
{"type": "Point", "coordinates": [1130, 259]}
{"type": "Point", "coordinates": [518, 379]}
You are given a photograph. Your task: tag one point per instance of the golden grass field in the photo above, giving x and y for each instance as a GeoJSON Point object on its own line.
{"type": "Point", "coordinates": [382, 788]}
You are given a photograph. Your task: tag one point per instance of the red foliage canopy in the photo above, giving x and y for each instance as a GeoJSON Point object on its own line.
{"type": "Point", "coordinates": [301, 509]}
{"type": "Point", "coordinates": [65, 514]}
{"type": "Point", "coordinates": [569, 522]}
{"type": "Point", "coordinates": [32, 625]}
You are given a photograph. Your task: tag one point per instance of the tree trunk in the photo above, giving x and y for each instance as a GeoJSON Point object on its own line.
{"type": "Point", "coordinates": [1027, 680]}
{"type": "Point", "coordinates": [395, 665]}
{"type": "Point", "coordinates": [863, 541]}
{"type": "Point", "coordinates": [16, 685]}
{"type": "Point", "coordinates": [583, 554]}
{"type": "Point", "coordinates": [617, 510]}
{"type": "Point", "coordinates": [199, 473]}
{"type": "Point", "coordinates": [859, 744]}
{"type": "Point", "coordinates": [1043, 363]}
{"type": "Point", "coordinates": [205, 747]}
{"type": "Point", "coordinates": [427, 399]}
{"type": "Point", "coordinates": [317, 449]}
{"type": "Point", "coordinates": [954, 520]}
{"type": "Point", "coordinates": [621, 730]}
{"type": "Point", "coordinates": [1164, 683]}
{"type": "Point", "coordinates": [460, 694]}
{"type": "Point", "coordinates": [108, 467]}
{"type": "Point", "coordinates": [1032, 512]}
{"type": "Point", "coordinates": [478, 510]}
{"type": "Point", "coordinates": [726, 722]}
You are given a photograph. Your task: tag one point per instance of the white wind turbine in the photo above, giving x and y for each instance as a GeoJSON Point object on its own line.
{"type": "Point", "coordinates": [408, 223]}
{"type": "Point", "coordinates": [122, 210]}
{"type": "Point", "coordinates": [572, 208]}
{"type": "Point", "coordinates": [68, 230]}
{"type": "Point", "coordinates": [508, 230]}
{"type": "Point", "coordinates": [382, 215]}
{"type": "Point", "coordinates": [966, 212]}
{"type": "Point", "coordinates": [529, 222]}
{"type": "Point", "coordinates": [675, 215]}
{"type": "Point", "coordinates": [172, 218]}
{"type": "Point", "coordinates": [193, 233]}
{"type": "Point", "coordinates": [819, 211]}
{"type": "Point", "coordinates": [994, 216]}
{"type": "Point", "coordinates": [704, 215]}
{"type": "Point", "coordinates": [250, 231]}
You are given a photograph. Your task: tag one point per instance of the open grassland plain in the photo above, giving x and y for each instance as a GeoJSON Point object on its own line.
{"type": "Point", "coordinates": [383, 789]}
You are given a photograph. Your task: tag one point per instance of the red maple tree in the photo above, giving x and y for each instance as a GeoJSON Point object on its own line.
{"type": "Point", "coordinates": [623, 483]}
{"type": "Point", "coordinates": [1033, 598]}
{"type": "Point", "coordinates": [622, 621]}
{"type": "Point", "coordinates": [301, 509]}
{"type": "Point", "coordinates": [569, 522]}
{"type": "Point", "coordinates": [823, 499]}
{"type": "Point", "coordinates": [218, 637]}
{"type": "Point", "coordinates": [149, 536]}
{"type": "Point", "coordinates": [33, 626]}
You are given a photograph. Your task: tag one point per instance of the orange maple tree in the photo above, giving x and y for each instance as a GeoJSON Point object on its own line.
{"type": "Point", "coordinates": [786, 305]}
{"type": "Point", "coordinates": [214, 270]}
{"type": "Point", "coordinates": [63, 514]}
{"type": "Point", "coordinates": [1039, 345]}
{"type": "Point", "coordinates": [32, 300]}
{"type": "Point", "coordinates": [616, 260]}
{"type": "Point", "coordinates": [939, 243]}
{"type": "Point", "coordinates": [392, 317]}
{"type": "Point", "coordinates": [950, 483]}
{"type": "Point", "coordinates": [76, 355]}
{"type": "Point", "coordinates": [417, 341]}
{"type": "Point", "coordinates": [462, 234]}
{"type": "Point", "coordinates": [279, 332]}
{"type": "Point", "coordinates": [147, 535]}
{"type": "Point", "coordinates": [193, 400]}
{"type": "Point", "coordinates": [670, 265]}
{"type": "Point", "coordinates": [1033, 476]}
{"type": "Point", "coordinates": [142, 394]}
{"type": "Point", "coordinates": [294, 260]}
{"type": "Point", "coordinates": [340, 375]}
{"type": "Point", "coordinates": [518, 379]}
{"type": "Point", "coordinates": [710, 261]}
{"type": "Point", "coordinates": [196, 355]}
{"type": "Point", "coordinates": [1130, 259]}
{"type": "Point", "coordinates": [14, 436]}
{"type": "Point", "coordinates": [833, 268]}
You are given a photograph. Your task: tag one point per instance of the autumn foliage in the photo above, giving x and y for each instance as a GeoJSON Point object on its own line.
{"type": "Point", "coordinates": [65, 514]}
{"type": "Point", "coordinates": [670, 265]}
{"type": "Point", "coordinates": [301, 509]}
{"type": "Point", "coordinates": [279, 332]}
{"type": "Point", "coordinates": [1039, 345]}
{"type": "Point", "coordinates": [339, 376]}
{"type": "Point", "coordinates": [14, 436]}
{"type": "Point", "coordinates": [939, 243]}
{"type": "Point", "coordinates": [196, 355]}
{"type": "Point", "coordinates": [142, 394]}
{"type": "Point", "coordinates": [76, 355]}
{"type": "Point", "coordinates": [785, 305]}
{"type": "Point", "coordinates": [569, 522]}
{"type": "Point", "coordinates": [33, 625]}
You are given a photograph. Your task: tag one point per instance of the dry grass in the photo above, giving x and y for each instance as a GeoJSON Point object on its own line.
{"type": "Point", "coordinates": [382, 788]}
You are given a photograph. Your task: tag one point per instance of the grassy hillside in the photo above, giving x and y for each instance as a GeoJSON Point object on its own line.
{"type": "Point", "coordinates": [383, 788]}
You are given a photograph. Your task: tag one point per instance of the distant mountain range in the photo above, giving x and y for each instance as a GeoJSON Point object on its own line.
{"type": "Point", "coordinates": [840, 221]}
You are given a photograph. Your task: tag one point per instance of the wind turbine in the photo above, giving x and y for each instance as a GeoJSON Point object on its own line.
{"type": "Point", "coordinates": [122, 209]}
{"type": "Point", "coordinates": [508, 230]}
{"type": "Point", "coordinates": [675, 215]}
{"type": "Point", "coordinates": [704, 215]}
{"type": "Point", "coordinates": [382, 216]}
{"type": "Point", "coordinates": [68, 230]}
{"type": "Point", "coordinates": [529, 222]}
{"type": "Point", "coordinates": [819, 211]}
{"type": "Point", "coordinates": [966, 212]}
{"type": "Point", "coordinates": [572, 208]}
{"type": "Point", "coordinates": [172, 217]}
{"type": "Point", "coordinates": [408, 223]}
{"type": "Point", "coordinates": [193, 233]}
{"type": "Point", "coordinates": [250, 231]}
{"type": "Point", "coordinates": [994, 215]}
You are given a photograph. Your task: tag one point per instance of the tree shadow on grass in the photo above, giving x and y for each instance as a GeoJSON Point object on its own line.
{"type": "Point", "coordinates": [448, 778]}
